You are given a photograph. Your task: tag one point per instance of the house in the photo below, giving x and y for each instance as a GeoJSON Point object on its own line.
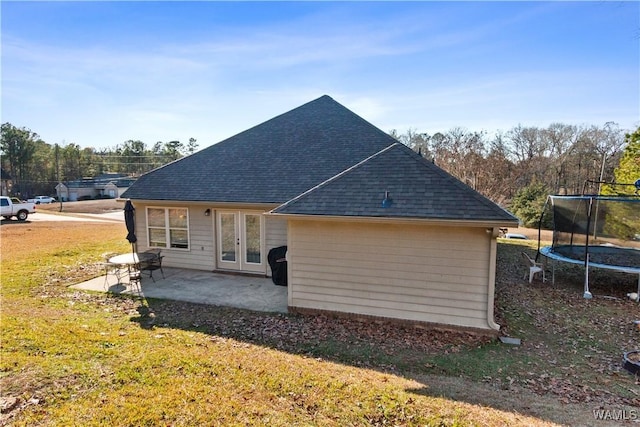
{"type": "Point", "coordinates": [106, 185]}
{"type": "Point", "coordinates": [372, 228]}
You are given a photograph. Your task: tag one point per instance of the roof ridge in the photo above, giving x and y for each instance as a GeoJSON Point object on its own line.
{"type": "Point", "coordinates": [232, 137]}
{"type": "Point", "coordinates": [337, 176]}
{"type": "Point", "coordinates": [458, 197]}
{"type": "Point", "coordinates": [479, 197]}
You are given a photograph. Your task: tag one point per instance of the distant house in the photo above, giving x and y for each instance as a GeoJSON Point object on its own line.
{"type": "Point", "coordinates": [5, 182]}
{"type": "Point", "coordinates": [107, 185]}
{"type": "Point", "coordinates": [372, 228]}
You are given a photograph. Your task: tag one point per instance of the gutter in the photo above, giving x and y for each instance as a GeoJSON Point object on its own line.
{"type": "Point", "coordinates": [491, 286]}
{"type": "Point", "coordinates": [399, 220]}
{"type": "Point", "coordinates": [209, 204]}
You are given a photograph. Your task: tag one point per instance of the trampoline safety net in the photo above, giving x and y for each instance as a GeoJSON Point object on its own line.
{"type": "Point", "coordinates": [607, 228]}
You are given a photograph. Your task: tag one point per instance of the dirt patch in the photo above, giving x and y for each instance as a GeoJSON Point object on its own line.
{"type": "Point", "coordinates": [87, 206]}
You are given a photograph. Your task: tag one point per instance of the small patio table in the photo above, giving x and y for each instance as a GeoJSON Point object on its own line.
{"type": "Point", "coordinates": [131, 258]}
{"type": "Point", "coordinates": [131, 261]}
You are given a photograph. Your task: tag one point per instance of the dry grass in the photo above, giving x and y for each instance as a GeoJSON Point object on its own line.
{"type": "Point", "coordinates": [72, 358]}
{"type": "Point", "coordinates": [86, 206]}
{"type": "Point", "coordinates": [24, 241]}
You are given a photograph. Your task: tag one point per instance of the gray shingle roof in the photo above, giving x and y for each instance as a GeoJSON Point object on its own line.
{"type": "Point", "coordinates": [417, 188]}
{"type": "Point", "coordinates": [321, 159]}
{"type": "Point", "coordinates": [269, 163]}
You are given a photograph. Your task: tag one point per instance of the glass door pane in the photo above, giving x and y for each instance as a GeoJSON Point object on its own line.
{"type": "Point", "coordinates": [228, 237]}
{"type": "Point", "coordinates": [252, 236]}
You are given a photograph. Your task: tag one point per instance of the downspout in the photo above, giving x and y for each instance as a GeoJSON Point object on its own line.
{"type": "Point", "coordinates": [491, 289]}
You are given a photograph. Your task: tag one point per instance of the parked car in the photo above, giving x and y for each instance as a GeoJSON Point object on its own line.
{"type": "Point", "coordinates": [9, 209]}
{"type": "Point", "coordinates": [42, 199]}
{"type": "Point", "coordinates": [515, 236]}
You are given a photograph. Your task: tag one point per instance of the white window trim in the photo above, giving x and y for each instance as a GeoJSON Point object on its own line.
{"type": "Point", "coordinates": [167, 228]}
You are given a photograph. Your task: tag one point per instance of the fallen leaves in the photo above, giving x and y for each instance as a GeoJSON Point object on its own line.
{"type": "Point", "coordinates": [574, 345]}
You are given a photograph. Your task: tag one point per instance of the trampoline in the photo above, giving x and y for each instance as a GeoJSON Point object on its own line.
{"type": "Point", "coordinates": [594, 231]}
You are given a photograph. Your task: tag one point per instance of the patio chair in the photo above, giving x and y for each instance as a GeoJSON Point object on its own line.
{"type": "Point", "coordinates": [152, 262]}
{"type": "Point", "coordinates": [113, 269]}
{"type": "Point", "coordinates": [533, 267]}
{"type": "Point", "coordinates": [135, 276]}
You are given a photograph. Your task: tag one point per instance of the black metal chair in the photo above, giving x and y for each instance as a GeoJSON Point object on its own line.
{"type": "Point", "coordinates": [152, 261]}
{"type": "Point", "coordinates": [135, 277]}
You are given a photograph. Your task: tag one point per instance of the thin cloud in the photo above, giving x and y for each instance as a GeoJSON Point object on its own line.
{"type": "Point", "coordinates": [153, 76]}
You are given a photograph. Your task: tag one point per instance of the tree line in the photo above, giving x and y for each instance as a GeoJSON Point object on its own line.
{"type": "Point", "coordinates": [516, 169]}
{"type": "Point", "coordinates": [36, 167]}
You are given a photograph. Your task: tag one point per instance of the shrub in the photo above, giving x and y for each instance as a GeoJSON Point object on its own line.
{"type": "Point", "coordinates": [528, 203]}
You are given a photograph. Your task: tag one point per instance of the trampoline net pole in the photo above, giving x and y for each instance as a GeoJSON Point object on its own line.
{"type": "Point", "coordinates": [600, 231]}
{"type": "Point", "coordinates": [587, 293]}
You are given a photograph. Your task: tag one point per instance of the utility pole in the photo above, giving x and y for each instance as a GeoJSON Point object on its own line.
{"type": "Point", "coordinates": [58, 175]}
{"type": "Point", "coordinates": [595, 223]}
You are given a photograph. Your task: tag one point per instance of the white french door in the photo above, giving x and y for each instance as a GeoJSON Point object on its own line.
{"type": "Point", "coordinates": [240, 241]}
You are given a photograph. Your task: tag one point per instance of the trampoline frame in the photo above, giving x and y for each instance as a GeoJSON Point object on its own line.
{"type": "Point", "coordinates": [547, 251]}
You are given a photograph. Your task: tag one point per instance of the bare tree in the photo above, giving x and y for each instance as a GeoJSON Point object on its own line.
{"type": "Point", "coordinates": [529, 150]}
{"type": "Point", "coordinates": [562, 140]}
{"type": "Point", "coordinates": [418, 142]}
{"type": "Point", "coordinates": [498, 172]}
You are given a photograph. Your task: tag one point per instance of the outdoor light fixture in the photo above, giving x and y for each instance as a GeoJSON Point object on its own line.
{"type": "Point", "coordinates": [207, 212]}
{"type": "Point", "coordinates": [387, 201]}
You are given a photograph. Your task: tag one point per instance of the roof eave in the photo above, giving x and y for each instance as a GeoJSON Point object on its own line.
{"type": "Point", "coordinates": [208, 203]}
{"type": "Point", "coordinates": [401, 220]}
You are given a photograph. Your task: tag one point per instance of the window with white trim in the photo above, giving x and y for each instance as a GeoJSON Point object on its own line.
{"type": "Point", "coordinates": [168, 227]}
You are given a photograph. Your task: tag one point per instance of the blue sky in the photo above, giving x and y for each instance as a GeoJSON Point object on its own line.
{"type": "Point", "coordinates": [100, 73]}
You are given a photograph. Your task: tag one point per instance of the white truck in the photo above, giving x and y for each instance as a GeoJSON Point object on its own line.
{"type": "Point", "coordinates": [9, 209]}
{"type": "Point", "coordinates": [42, 199]}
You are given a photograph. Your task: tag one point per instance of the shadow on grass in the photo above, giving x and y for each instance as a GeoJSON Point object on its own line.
{"type": "Point", "coordinates": [14, 221]}
{"type": "Point", "coordinates": [457, 365]}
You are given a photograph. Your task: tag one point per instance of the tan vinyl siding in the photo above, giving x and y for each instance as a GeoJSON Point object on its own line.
{"type": "Point", "coordinates": [275, 232]}
{"type": "Point", "coordinates": [275, 236]}
{"type": "Point", "coordinates": [415, 272]}
{"type": "Point", "coordinates": [201, 252]}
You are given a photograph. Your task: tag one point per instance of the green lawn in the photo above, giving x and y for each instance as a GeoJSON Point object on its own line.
{"type": "Point", "coordinates": [75, 358]}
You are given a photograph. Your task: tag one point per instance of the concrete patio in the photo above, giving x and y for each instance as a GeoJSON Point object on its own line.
{"type": "Point", "coordinates": [203, 287]}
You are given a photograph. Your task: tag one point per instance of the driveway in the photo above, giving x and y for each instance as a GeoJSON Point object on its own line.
{"type": "Point", "coordinates": [106, 217]}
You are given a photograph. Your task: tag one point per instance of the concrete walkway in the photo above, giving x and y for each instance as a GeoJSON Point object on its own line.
{"type": "Point", "coordinates": [203, 287]}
